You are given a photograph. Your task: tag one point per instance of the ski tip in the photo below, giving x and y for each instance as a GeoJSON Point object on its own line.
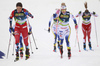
{"type": "Point", "coordinates": [79, 50]}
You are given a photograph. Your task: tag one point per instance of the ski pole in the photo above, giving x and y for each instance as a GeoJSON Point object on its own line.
{"type": "Point", "coordinates": [32, 34]}
{"type": "Point", "coordinates": [78, 41]}
{"type": "Point", "coordinates": [45, 29]}
{"type": "Point", "coordinates": [34, 41]}
{"type": "Point", "coordinates": [77, 30]}
{"type": "Point", "coordinates": [13, 47]}
{"type": "Point", "coordinates": [30, 44]}
{"type": "Point", "coordinates": [9, 44]}
{"type": "Point", "coordinates": [96, 31]}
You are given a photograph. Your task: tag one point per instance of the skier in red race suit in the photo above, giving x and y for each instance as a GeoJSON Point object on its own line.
{"type": "Point", "coordinates": [20, 15]}
{"type": "Point", "coordinates": [86, 25]}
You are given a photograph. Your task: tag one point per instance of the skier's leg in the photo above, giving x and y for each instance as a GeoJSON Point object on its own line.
{"type": "Point", "coordinates": [84, 38]}
{"type": "Point", "coordinates": [55, 41]}
{"type": "Point", "coordinates": [21, 47]}
{"type": "Point", "coordinates": [25, 38]}
{"type": "Point", "coordinates": [58, 41]}
{"type": "Point", "coordinates": [21, 43]}
{"type": "Point", "coordinates": [61, 35]}
{"type": "Point", "coordinates": [89, 38]}
{"type": "Point", "coordinates": [61, 46]}
{"type": "Point", "coordinates": [67, 36]}
{"type": "Point", "coordinates": [55, 37]}
{"type": "Point", "coordinates": [17, 38]}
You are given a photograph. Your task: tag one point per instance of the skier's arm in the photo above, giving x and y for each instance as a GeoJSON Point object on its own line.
{"type": "Point", "coordinates": [10, 18]}
{"type": "Point", "coordinates": [50, 23]}
{"type": "Point", "coordinates": [75, 22]}
{"type": "Point", "coordinates": [13, 30]}
{"type": "Point", "coordinates": [28, 13]}
{"type": "Point", "coordinates": [94, 14]}
{"type": "Point", "coordinates": [79, 14]}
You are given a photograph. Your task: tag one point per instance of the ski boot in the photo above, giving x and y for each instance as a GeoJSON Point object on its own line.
{"type": "Point", "coordinates": [58, 45]}
{"type": "Point", "coordinates": [84, 46]}
{"type": "Point", "coordinates": [90, 47]}
{"type": "Point", "coordinates": [61, 51]}
{"type": "Point", "coordinates": [17, 57]}
{"type": "Point", "coordinates": [27, 54]}
{"type": "Point", "coordinates": [54, 49]}
{"type": "Point", "coordinates": [21, 53]}
{"type": "Point", "coordinates": [69, 53]}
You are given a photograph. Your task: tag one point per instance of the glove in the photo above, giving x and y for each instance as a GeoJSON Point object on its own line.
{"type": "Point", "coordinates": [32, 17]}
{"type": "Point", "coordinates": [13, 33]}
{"type": "Point", "coordinates": [93, 13]}
{"type": "Point", "coordinates": [80, 12]}
{"type": "Point", "coordinates": [76, 26]}
{"type": "Point", "coordinates": [29, 33]}
{"type": "Point", "coordinates": [49, 29]}
{"type": "Point", "coordinates": [10, 29]}
{"type": "Point", "coordinates": [58, 11]}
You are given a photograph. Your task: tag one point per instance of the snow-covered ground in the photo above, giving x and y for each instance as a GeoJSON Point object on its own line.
{"type": "Point", "coordinates": [44, 56]}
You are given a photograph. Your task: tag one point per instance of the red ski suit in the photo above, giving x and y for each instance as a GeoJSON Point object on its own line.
{"type": "Point", "coordinates": [21, 25]}
{"type": "Point", "coordinates": [86, 25]}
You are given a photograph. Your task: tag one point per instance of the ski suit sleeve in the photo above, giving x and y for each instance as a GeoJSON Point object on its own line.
{"type": "Point", "coordinates": [73, 18]}
{"type": "Point", "coordinates": [94, 14]}
{"type": "Point", "coordinates": [50, 21]}
{"type": "Point", "coordinates": [79, 14]}
{"type": "Point", "coordinates": [10, 18]}
{"type": "Point", "coordinates": [55, 15]}
{"type": "Point", "coordinates": [13, 29]}
{"type": "Point", "coordinates": [28, 13]}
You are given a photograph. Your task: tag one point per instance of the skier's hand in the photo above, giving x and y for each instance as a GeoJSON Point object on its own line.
{"type": "Point", "coordinates": [49, 30]}
{"type": "Point", "coordinates": [94, 13]}
{"type": "Point", "coordinates": [10, 29]}
{"type": "Point", "coordinates": [80, 12]}
{"type": "Point", "coordinates": [76, 26]}
{"type": "Point", "coordinates": [13, 33]}
{"type": "Point", "coordinates": [32, 17]}
{"type": "Point", "coordinates": [29, 33]}
{"type": "Point", "coordinates": [58, 11]}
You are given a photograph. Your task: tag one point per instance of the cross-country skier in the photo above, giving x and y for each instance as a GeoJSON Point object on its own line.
{"type": "Point", "coordinates": [64, 28]}
{"type": "Point", "coordinates": [55, 30]}
{"type": "Point", "coordinates": [21, 42]}
{"type": "Point", "coordinates": [20, 15]}
{"type": "Point", "coordinates": [86, 25]}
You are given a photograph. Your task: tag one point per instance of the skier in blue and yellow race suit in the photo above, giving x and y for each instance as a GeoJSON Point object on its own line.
{"type": "Point", "coordinates": [64, 28]}
{"type": "Point", "coordinates": [54, 30]}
